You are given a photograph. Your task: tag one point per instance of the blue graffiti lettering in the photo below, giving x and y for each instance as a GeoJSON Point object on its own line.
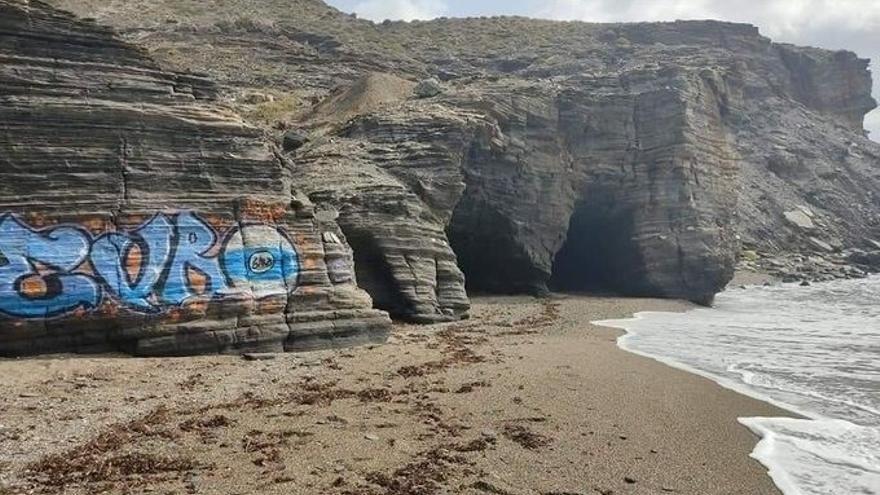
{"type": "Point", "coordinates": [163, 263]}
{"type": "Point", "coordinates": [35, 271]}
{"type": "Point", "coordinates": [194, 239]}
{"type": "Point", "coordinates": [114, 258]}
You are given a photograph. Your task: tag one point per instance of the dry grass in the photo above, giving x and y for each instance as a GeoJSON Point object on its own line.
{"type": "Point", "coordinates": [272, 43]}
{"type": "Point", "coordinates": [282, 109]}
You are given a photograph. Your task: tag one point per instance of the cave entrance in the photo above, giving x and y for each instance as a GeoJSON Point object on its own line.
{"type": "Point", "coordinates": [488, 254]}
{"type": "Point", "coordinates": [598, 252]}
{"type": "Point", "coordinates": [373, 273]}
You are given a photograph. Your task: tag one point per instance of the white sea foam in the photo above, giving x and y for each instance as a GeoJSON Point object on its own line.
{"type": "Point", "coordinates": [812, 350]}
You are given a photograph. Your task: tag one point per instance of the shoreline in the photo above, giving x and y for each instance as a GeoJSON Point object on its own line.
{"type": "Point", "coordinates": [735, 387]}
{"type": "Point", "coordinates": [755, 342]}
{"type": "Point", "coordinates": [527, 397]}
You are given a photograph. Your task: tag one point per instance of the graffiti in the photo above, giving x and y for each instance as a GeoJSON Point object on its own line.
{"type": "Point", "coordinates": [195, 240]}
{"type": "Point", "coordinates": [163, 263]}
{"type": "Point", "coordinates": [36, 270]}
{"type": "Point", "coordinates": [261, 258]}
{"type": "Point", "coordinates": [151, 245]}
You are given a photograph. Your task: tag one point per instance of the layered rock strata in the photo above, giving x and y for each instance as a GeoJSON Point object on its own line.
{"type": "Point", "coordinates": [137, 215]}
{"type": "Point", "coordinates": [524, 179]}
{"type": "Point", "coordinates": [402, 255]}
{"type": "Point", "coordinates": [642, 158]}
{"type": "Point", "coordinates": [646, 178]}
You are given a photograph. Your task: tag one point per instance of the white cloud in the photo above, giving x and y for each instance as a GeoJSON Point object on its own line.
{"type": "Point", "coordinates": [626, 10]}
{"type": "Point", "coordinates": [405, 10]}
{"type": "Point", "coordinates": [872, 123]}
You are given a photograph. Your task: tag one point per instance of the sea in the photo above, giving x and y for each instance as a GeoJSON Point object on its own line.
{"type": "Point", "coordinates": [812, 350]}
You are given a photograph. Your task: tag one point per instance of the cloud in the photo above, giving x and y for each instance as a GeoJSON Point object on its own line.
{"type": "Point", "coordinates": [833, 24]}
{"type": "Point", "coordinates": [872, 123]}
{"type": "Point", "coordinates": [405, 10]}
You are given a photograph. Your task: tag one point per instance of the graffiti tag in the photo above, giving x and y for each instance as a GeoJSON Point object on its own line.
{"type": "Point", "coordinates": [163, 263]}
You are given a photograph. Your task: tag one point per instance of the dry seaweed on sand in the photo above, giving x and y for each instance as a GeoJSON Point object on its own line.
{"type": "Point", "coordinates": [109, 457]}
{"type": "Point", "coordinates": [526, 437]}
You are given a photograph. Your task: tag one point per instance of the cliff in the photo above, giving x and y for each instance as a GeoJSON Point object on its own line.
{"type": "Point", "coordinates": [642, 159]}
{"type": "Point", "coordinates": [138, 215]}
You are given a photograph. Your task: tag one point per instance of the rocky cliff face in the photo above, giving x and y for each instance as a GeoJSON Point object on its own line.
{"type": "Point", "coordinates": [643, 180]}
{"type": "Point", "coordinates": [613, 187]}
{"type": "Point", "coordinates": [531, 175]}
{"type": "Point", "coordinates": [642, 159]}
{"type": "Point", "coordinates": [136, 214]}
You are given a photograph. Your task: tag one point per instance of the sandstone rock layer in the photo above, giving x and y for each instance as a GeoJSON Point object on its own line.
{"type": "Point", "coordinates": [138, 215]}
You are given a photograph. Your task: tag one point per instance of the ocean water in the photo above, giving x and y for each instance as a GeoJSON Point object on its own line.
{"type": "Point", "coordinates": [812, 350]}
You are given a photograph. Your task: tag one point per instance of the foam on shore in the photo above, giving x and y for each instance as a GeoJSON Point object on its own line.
{"type": "Point", "coordinates": [811, 350]}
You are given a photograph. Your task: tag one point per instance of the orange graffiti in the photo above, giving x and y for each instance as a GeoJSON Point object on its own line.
{"type": "Point", "coordinates": [197, 280]}
{"type": "Point", "coordinates": [34, 287]}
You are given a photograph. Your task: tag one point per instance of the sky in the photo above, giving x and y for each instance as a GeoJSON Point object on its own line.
{"type": "Point", "coordinates": [833, 24]}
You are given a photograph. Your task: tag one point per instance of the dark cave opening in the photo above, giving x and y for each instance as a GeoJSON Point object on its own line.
{"type": "Point", "coordinates": [374, 275]}
{"type": "Point", "coordinates": [488, 254]}
{"type": "Point", "coordinates": [598, 253]}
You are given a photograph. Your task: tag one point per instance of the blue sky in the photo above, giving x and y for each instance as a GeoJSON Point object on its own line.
{"type": "Point", "coordinates": [850, 24]}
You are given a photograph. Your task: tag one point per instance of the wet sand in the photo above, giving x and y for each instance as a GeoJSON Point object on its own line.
{"type": "Point", "coordinates": [525, 398]}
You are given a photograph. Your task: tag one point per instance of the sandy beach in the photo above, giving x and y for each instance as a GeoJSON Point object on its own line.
{"type": "Point", "coordinates": [525, 398]}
